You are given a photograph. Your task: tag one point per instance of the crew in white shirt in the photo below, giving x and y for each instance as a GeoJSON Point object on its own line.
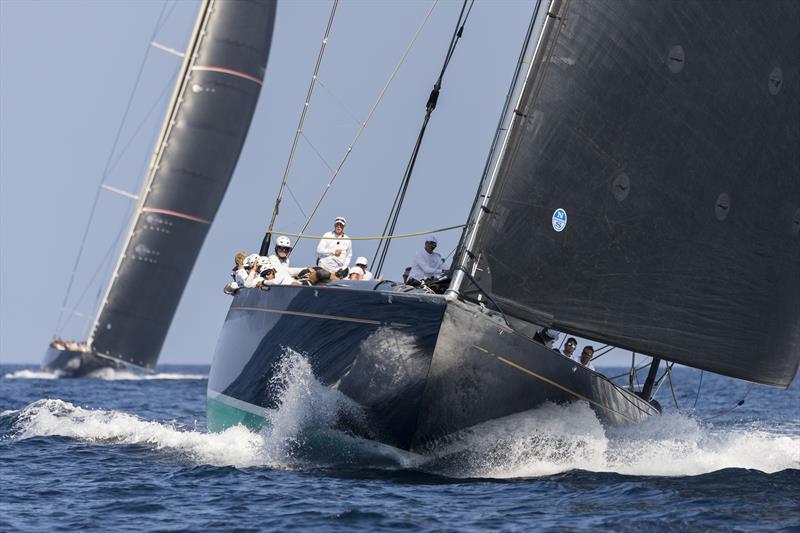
{"type": "Point", "coordinates": [586, 357]}
{"type": "Point", "coordinates": [335, 248]}
{"type": "Point", "coordinates": [426, 262]}
{"type": "Point", "coordinates": [248, 265]}
{"type": "Point", "coordinates": [280, 259]}
{"type": "Point", "coordinates": [362, 262]}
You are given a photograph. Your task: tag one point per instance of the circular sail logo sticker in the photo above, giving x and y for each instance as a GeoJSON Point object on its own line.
{"type": "Point", "coordinates": [559, 219]}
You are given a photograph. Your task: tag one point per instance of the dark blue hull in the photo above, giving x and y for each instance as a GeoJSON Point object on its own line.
{"type": "Point", "coordinates": [420, 366]}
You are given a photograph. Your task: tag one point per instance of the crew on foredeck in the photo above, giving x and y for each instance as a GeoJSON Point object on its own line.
{"type": "Point", "coordinates": [362, 263]}
{"type": "Point", "coordinates": [334, 253]}
{"type": "Point", "coordinates": [335, 248]}
{"type": "Point", "coordinates": [280, 259]}
{"type": "Point", "coordinates": [426, 263]}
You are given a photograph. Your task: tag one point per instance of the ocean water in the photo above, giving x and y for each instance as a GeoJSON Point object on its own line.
{"type": "Point", "coordinates": [121, 451]}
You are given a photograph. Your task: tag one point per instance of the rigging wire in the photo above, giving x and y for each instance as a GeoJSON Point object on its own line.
{"type": "Point", "coordinates": [107, 167]}
{"type": "Point", "coordinates": [121, 232]}
{"type": "Point", "coordinates": [268, 235]}
{"type": "Point", "coordinates": [672, 388]}
{"type": "Point", "coordinates": [375, 237]}
{"type": "Point", "coordinates": [164, 93]}
{"type": "Point", "coordinates": [734, 407]}
{"type": "Point", "coordinates": [488, 296]}
{"type": "Point", "coordinates": [340, 102]}
{"type": "Point", "coordinates": [699, 385]}
{"type": "Point", "coordinates": [363, 126]}
{"type": "Point", "coordinates": [391, 223]}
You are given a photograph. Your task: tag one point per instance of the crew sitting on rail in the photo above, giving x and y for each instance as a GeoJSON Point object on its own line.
{"type": "Point", "coordinates": [316, 275]}
{"type": "Point", "coordinates": [548, 337]}
{"type": "Point", "coordinates": [238, 265]}
{"type": "Point", "coordinates": [240, 274]}
{"type": "Point", "coordinates": [280, 259]}
{"type": "Point", "coordinates": [335, 248]}
{"type": "Point", "coordinates": [586, 357]}
{"type": "Point", "coordinates": [362, 263]}
{"type": "Point", "coordinates": [569, 348]}
{"type": "Point", "coordinates": [265, 274]}
{"type": "Point", "coordinates": [426, 263]}
{"type": "Point", "coordinates": [406, 272]}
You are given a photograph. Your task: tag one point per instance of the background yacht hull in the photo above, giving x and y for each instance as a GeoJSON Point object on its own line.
{"type": "Point", "coordinates": [74, 363]}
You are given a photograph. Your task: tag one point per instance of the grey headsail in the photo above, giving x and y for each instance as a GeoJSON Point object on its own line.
{"type": "Point", "coordinates": [648, 192]}
{"type": "Point", "coordinates": [195, 157]}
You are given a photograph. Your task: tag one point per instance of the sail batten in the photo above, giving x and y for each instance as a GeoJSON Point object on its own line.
{"type": "Point", "coordinates": [195, 156]}
{"type": "Point", "coordinates": [646, 194]}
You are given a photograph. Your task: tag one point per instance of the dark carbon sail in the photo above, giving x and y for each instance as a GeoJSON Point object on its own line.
{"type": "Point", "coordinates": [648, 193]}
{"type": "Point", "coordinates": [195, 157]}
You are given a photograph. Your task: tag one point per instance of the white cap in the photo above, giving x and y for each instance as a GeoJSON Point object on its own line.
{"type": "Point", "coordinates": [362, 261]}
{"type": "Point", "coordinates": [552, 333]}
{"type": "Point", "coordinates": [431, 238]}
{"type": "Point", "coordinates": [284, 241]}
{"type": "Point", "coordinates": [357, 270]}
{"type": "Point", "coordinates": [342, 220]}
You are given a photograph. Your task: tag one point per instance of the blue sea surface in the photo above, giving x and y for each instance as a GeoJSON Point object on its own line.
{"type": "Point", "coordinates": [128, 452]}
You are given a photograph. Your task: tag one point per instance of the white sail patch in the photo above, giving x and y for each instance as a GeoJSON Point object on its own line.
{"type": "Point", "coordinates": [559, 220]}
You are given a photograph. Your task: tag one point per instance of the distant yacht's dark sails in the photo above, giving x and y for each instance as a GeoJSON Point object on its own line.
{"type": "Point", "coordinates": [197, 151]}
{"type": "Point", "coordinates": [649, 192]}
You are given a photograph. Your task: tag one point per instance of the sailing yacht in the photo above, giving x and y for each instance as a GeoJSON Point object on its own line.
{"type": "Point", "coordinates": [197, 150]}
{"type": "Point", "coordinates": [642, 191]}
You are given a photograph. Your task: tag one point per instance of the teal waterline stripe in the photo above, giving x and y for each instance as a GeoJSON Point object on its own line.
{"type": "Point", "coordinates": [224, 411]}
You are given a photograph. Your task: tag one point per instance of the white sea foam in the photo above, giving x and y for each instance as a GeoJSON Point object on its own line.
{"type": "Point", "coordinates": [111, 374]}
{"type": "Point", "coordinates": [558, 438]}
{"type": "Point", "coordinates": [107, 374]}
{"type": "Point", "coordinates": [236, 446]}
{"type": "Point", "coordinates": [31, 374]}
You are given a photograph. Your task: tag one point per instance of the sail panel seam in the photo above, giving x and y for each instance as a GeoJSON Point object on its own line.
{"type": "Point", "coordinates": [176, 214]}
{"type": "Point", "coordinates": [230, 71]}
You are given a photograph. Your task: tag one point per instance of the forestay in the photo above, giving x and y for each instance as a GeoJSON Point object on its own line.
{"type": "Point", "coordinates": [648, 195]}
{"type": "Point", "coordinates": [195, 157]}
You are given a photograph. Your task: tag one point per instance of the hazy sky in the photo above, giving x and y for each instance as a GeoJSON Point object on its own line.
{"type": "Point", "coordinates": [67, 69]}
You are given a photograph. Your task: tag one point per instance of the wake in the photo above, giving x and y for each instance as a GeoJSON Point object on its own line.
{"type": "Point", "coordinates": [304, 433]}
{"type": "Point", "coordinates": [108, 374]}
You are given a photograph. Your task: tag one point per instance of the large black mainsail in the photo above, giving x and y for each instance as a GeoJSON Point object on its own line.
{"type": "Point", "coordinates": [648, 194]}
{"type": "Point", "coordinates": [199, 145]}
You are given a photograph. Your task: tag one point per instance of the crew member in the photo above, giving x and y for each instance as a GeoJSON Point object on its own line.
{"type": "Point", "coordinates": [586, 357]}
{"type": "Point", "coordinates": [426, 263]}
{"type": "Point", "coordinates": [569, 348]}
{"type": "Point", "coordinates": [238, 261]}
{"type": "Point", "coordinates": [548, 337]}
{"type": "Point", "coordinates": [406, 272]}
{"type": "Point", "coordinates": [335, 248]}
{"type": "Point", "coordinates": [280, 259]}
{"type": "Point", "coordinates": [356, 273]}
{"type": "Point", "coordinates": [362, 262]}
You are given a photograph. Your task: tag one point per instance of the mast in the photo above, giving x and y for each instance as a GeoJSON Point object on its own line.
{"type": "Point", "coordinates": [530, 53]}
